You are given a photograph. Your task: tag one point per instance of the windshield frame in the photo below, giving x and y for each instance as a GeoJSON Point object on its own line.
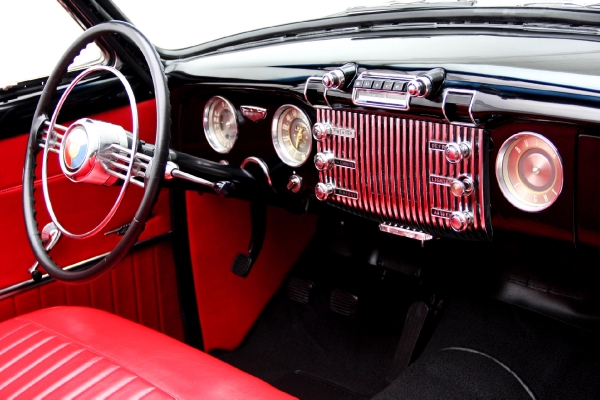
{"type": "Point", "coordinates": [354, 24]}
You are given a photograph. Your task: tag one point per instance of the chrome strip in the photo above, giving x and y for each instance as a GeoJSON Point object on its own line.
{"type": "Point", "coordinates": [386, 168]}
{"type": "Point", "coordinates": [398, 176]}
{"type": "Point", "coordinates": [427, 129]}
{"type": "Point", "coordinates": [379, 187]}
{"type": "Point", "coordinates": [396, 230]}
{"type": "Point", "coordinates": [306, 89]}
{"type": "Point", "coordinates": [480, 175]}
{"type": "Point", "coordinates": [45, 278]}
{"type": "Point", "coordinates": [473, 123]}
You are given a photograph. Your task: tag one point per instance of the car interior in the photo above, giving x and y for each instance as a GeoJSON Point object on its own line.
{"type": "Point", "coordinates": [392, 202]}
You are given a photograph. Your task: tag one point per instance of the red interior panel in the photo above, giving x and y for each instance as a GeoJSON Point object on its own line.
{"type": "Point", "coordinates": [219, 229]}
{"type": "Point", "coordinates": [142, 288]}
{"type": "Point", "coordinates": [79, 207]}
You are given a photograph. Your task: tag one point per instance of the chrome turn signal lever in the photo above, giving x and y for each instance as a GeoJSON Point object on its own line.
{"type": "Point", "coordinates": [50, 235]}
{"type": "Point", "coordinates": [172, 171]}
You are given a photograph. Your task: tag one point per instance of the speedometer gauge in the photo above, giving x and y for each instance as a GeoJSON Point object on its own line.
{"type": "Point", "coordinates": [529, 171]}
{"type": "Point", "coordinates": [291, 135]}
{"type": "Point", "coordinates": [220, 124]}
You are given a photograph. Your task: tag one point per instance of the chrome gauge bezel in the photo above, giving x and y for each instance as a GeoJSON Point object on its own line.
{"type": "Point", "coordinates": [277, 135]}
{"type": "Point", "coordinates": [504, 171]}
{"type": "Point", "coordinates": [211, 131]}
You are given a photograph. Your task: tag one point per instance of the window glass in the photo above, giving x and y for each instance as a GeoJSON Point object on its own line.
{"type": "Point", "coordinates": [33, 36]}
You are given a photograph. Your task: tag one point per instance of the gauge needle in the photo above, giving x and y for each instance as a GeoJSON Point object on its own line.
{"type": "Point", "coordinates": [298, 138]}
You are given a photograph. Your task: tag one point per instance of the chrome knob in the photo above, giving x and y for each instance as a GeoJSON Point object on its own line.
{"type": "Point", "coordinates": [294, 183]}
{"type": "Point", "coordinates": [324, 190]}
{"type": "Point", "coordinates": [419, 87]}
{"type": "Point", "coordinates": [462, 186]}
{"type": "Point", "coordinates": [324, 161]}
{"type": "Point", "coordinates": [334, 79]}
{"type": "Point", "coordinates": [456, 152]}
{"type": "Point", "coordinates": [461, 220]}
{"type": "Point", "coordinates": [321, 131]}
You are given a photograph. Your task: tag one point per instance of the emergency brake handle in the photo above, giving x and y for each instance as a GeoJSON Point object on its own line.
{"type": "Point", "coordinates": [258, 169]}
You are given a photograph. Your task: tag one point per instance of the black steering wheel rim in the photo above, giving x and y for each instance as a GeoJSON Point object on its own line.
{"type": "Point", "coordinates": [154, 174]}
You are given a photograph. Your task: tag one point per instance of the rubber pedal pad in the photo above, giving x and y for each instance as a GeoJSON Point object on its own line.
{"type": "Point", "coordinates": [343, 302]}
{"type": "Point", "coordinates": [299, 290]}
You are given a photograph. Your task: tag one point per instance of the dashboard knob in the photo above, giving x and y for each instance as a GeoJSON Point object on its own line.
{"type": "Point", "coordinates": [294, 183]}
{"type": "Point", "coordinates": [334, 79]}
{"type": "Point", "coordinates": [419, 87]}
{"type": "Point", "coordinates": [324, 161]}
{"type": "Point", "coordinates": [456, 152]}
{"type": "Point", "coordinates": [461, 220]}
{"type": "Point", "coordinates": [321, 131]}
{"type": "Point", "coordinates": [324, 190]}
{"type": "Point", "coordinates": [462, 186]}
{"type": "Point", "coordinates": [338, 78]}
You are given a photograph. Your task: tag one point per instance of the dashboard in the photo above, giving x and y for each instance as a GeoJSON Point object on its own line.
{"type": "Point", "coordinates": [437, 136]}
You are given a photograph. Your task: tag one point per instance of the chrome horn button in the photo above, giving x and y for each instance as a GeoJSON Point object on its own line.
{"type": "Point", "coordinates": [75, 147]}
{"type": "Point", "coordinates": [83, 143]}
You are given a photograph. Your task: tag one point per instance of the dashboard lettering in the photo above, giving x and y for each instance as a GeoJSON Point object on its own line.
{"type": "Point", "coordinates": [346, 193]}
{"type": "Point", "coordinates": [437, 146]}
{"type": "Point", "coordinates": [440, 213]}
{"type": "Point", "coordinates": [440, 180]}
{"type": "Point", "coordinates": [340, 162]}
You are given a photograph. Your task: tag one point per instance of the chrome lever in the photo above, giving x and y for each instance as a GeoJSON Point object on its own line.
{"type": "Point", "coordinates": [172, 171]}
{"type": "Point", "coordinates": [50, 235]}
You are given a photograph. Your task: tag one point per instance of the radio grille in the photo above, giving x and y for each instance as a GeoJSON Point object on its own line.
{"type": "Point", "coordinates": [385, 170]}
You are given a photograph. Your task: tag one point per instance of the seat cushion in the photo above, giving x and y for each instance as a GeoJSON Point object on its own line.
{"type": "Point", "coordinates": [76, 352]}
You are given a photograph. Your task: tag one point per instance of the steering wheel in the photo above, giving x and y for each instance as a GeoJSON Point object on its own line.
{"type": "Point", "coordinates": [97, 152]}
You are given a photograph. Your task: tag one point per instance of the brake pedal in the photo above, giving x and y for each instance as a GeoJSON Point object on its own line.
{"type": "Point", "coordinates": [299, 290]}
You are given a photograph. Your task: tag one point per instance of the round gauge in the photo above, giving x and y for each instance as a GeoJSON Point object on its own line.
{"type": "Point", "coordinates": [529, 171]}
{"type": "Point", "coordinates": [291, 135]}
{"type": "Point", "coordinates": [220, 124]}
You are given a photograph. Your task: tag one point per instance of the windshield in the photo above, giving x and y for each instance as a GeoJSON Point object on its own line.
{"type": "Point", "coordinates": [177, 24]}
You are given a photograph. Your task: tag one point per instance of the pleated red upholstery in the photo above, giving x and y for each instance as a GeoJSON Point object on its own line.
{"type": "Point", "coordinates": [76, 352]}
{"type": "Point", "coordinates": [141, 288]}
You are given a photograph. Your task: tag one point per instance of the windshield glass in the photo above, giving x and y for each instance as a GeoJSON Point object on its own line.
{"type": "Point", "coordinates": [177, 24]}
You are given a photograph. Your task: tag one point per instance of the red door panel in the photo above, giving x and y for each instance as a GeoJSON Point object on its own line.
{"type": "Point", "coordinates": [79, 207]}
{"type": "Point", "coordinates": [142, 288]}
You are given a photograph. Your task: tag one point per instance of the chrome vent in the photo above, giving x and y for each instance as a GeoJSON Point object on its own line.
{"type": "Point", "coordinates": [394, 170]}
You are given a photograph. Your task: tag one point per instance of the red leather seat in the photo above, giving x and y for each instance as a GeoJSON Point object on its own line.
{"type": "Point", "coordinates": [75, 352]}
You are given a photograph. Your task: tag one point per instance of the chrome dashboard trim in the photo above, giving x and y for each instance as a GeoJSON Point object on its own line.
{"type": "Point", "coordinates": [460, 91]}
{"type": "Point", "coordinates": [402, 105]}
{"type": "Point", "coordinates": [319, 79]}
{"type": "Point", "coordinates": [263, 166]}
{"type": "Point", "coordinates": [399, 178]}
{"type": "Point", "coordinates": [397, 230]}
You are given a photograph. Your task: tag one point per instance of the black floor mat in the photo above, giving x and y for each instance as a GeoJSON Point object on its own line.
{"type": "Point", "coordinates": [351, 352]}
{"type": "Point", "coordinates": [305, 386]}
{"type": "Point", "coordinates": [490, 350]}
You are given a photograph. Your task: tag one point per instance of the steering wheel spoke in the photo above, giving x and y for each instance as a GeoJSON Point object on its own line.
{"type": "Point", "coordinates": [56, 137]}
{"type": "Point", "coordinates": [116, 159]}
